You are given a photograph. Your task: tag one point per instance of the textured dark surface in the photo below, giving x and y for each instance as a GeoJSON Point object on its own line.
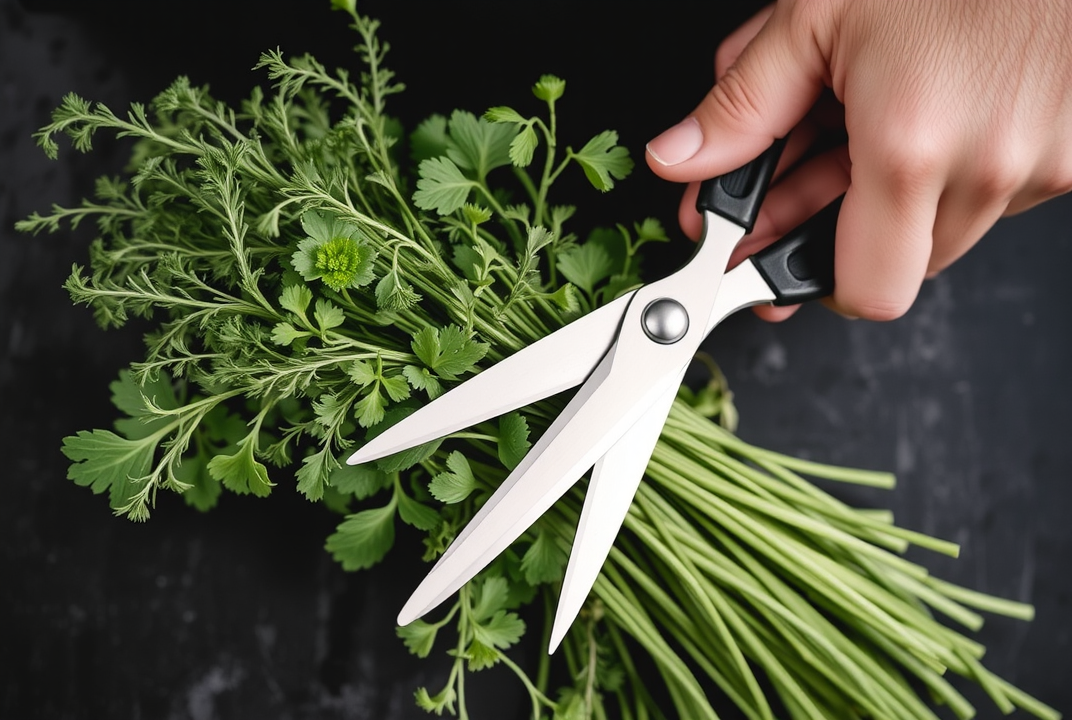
{"type": "Point", "coordinates": [240, 614]}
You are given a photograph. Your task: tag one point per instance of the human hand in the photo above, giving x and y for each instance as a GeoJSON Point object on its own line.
{"type": "Point", "coordinates": [952, 114]}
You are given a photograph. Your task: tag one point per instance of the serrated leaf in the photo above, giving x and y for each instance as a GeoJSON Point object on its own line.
{"type": "Point", "coordinates": [513, 439]}
{"type": "Point", "coordinates": [204, 490]}
{"type": "Point", "coordinates": [501, 630]}
{"type": "Point", "coordinates": [406, 458]}
{"type": "Point", "coordinates": [393, 294]}
{"type": "Point", "coordinates": [448, 352]}
{"type": "Point", "coordinates": [491, 598]}
{"type": "Point", "coordinates": [395, 386]}
{"type": "Point", "coordinates": [315, 472]}
{"type": "Point", "coordinates": [296, 299]}
{"type": "Point", "coordinates": [328, 315]}
{"type": "Point", "coordinates": [362, 373]}
{"type": "Point", "coordinates": [129, 396]}
{"type": "Point", "coordinates": [416, 514]}
{"type": "Point", "coordinates": [442, 186]}
{"type": "Point", "coordinates": [585, 266]}
{"type": "Point", "coordinates": [456, 484]}
{"type": "Point", "coordinates": [369, 410]}
{"type": "Point", "coordinates": [106, 462]}
{"type": "Point", "coordinates": [420, 379]}
{"type": "Point", "coordinates": [476, 214]}
{"type": "Point", "coordinates": [361, 481]}
{"type": "Point", "coordinates": [501, 113]}
{"type": "Point", "coordinates": [544, 561]}
{"type": "Point", "coordinates": [604, 161]}
{"type": "Point", "coordinates": [478, 145]}
{"type": "Point", "coordinates": [418, 637]}
{"type": "Point", "coordinates": [444, 700]}
{"type": "Point", "coordinates": [284, 334]}
{"type": "Point", "coordinates": [241, 472]}
{"type": "Point", "coordinates": [523, 147]}
{"type": "Point", "coordinates": [364, 538]}
{"type": "Point", "coordinates": [481, 656]}
{"type": "Point", "coordinates": [565, 298]}
{"type": "Point", "coordinates": [429, 140]}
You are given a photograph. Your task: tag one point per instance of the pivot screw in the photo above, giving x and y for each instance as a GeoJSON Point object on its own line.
{"type": "Point", "coordinates": [665, 321]}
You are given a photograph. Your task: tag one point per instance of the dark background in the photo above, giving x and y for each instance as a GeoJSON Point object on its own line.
{"type": "Point", "coordinates": [239, 613]}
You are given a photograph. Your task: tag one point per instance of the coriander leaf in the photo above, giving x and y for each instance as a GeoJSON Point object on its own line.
{"type": "Point", "coordinates": [449, 352]}
{"type": "Point", "coordinates": [393, 294]}
{"type": "Point", "coordinates": [241, 473]}
{"type": "Point", "coordinates": [523, 147]}
{"type": "Point", "coordinates": [284, 334]}
{"type": "Point", "coordinates": [429, 140]}
{"type": "Point", "coordinates": [129, 396]}
{"type": "Point", "coordinates": [549, 88]}
{"type": "Point", "coordinates": [603, 160]}
{"type": "Point", "coordinates": [396, 386]}
{"type": "Point", "coordinates": [476, 214]}
{"type": "Point", "coordinates": [418, 637]}
{"type": "Point", "coordinates": [478, 145]}
{"type": "Point", "coordinates": [370, 409]}
{"type": "Point", "coordinates": [362, 373]}
{"type": "Point", "coordinates": [544, 561]}
{"type": "Point", "coordinates": [364, 538]}
{"type": "Point", "coordinates": [503, 114]}
{"type": "Point", "coordinates": [651, 230]}
{"type": "Point", "coordinates": [513, 439]}
{"type": "Point", "coordinates": [328, 315]}
{"type": "Point", "coordinates": [204, 490]}
{"type": "Point", "coordinates": [585, 266]}
{"type": "Point", "coordinates": [416, 514]}
{"type": "Point", "coordinates": [491, 597]}
{"type": "Point", "coordinates": [454, 485]}
{"type": "Point", "coordinates": [442, 186]}
{"type": "Point", "coordinates": [361, 481]}
{"type": "Point", "coordinates": [106, 462]}
{"type": "Point", "coordinates": [444, 700]}
{"type": "Point", "coordinates": [481, 656]}
{"type": "Point", "coordinates": [420, 379]}
{"type": "Point", "coordinates": [296, 298]}
{"type": "Point", "coordinates": [565, 298]}
{"type": "Point", "coordinates": [501, 630]}
{"type": "Point", "coordinates": [315, 473]}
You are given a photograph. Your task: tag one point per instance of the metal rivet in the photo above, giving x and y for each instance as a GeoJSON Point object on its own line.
{"type": "Point", "coordinates": [665, 321]}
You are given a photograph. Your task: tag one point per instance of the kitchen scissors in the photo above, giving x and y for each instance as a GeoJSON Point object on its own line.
{"type": "Point", "coordinates": [629, 357]}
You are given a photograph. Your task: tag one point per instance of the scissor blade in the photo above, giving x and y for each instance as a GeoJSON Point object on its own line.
{"type": "Point", "coordinates": [602, 411]}
{"type": "Point", "coordinates": [554, 363]}
{"type": "Point", "coordinates": [613, 484]}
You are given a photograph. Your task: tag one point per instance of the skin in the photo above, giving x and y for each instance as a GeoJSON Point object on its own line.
{"type": "Point", "coordinates": [936, 118]}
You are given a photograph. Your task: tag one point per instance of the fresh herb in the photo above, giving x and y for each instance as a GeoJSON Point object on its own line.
{"type": "Point", "coordinates": [311, 274]}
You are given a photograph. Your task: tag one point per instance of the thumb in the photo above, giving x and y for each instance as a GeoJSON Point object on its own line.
{"type": "Point", "coordinates": [775, 80]}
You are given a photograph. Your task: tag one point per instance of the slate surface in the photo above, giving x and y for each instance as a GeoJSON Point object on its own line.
{"type": "Point", "coordinates": [240, 614]}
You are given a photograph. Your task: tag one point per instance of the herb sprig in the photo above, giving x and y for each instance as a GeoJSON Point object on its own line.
{"type": "Point", "coordinates": [310, 274]}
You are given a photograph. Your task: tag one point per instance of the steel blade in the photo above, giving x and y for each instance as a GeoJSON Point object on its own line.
{"type": "Point", "coordinates": [614, 482]}
{"type": "Point", "coordinates": [554, 363]}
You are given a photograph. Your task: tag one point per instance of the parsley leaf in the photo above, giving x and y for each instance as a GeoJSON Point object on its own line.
{"type": "Point", "coordinates": [478, 145]}
{"type": "Point", "coordinates": [363, 539]}
{"type": "Point", "coordinates": [513, 439]}
{"type": "Point", "coordinates": [241, 472]}
{"type": "Point", "coordinates": [456, 484]}
{"type": "Point", "coordinates": [442, 186]}
{"type": "Point", "coordinates": [448, 351]}
{"type": "Point", "coordinates": [585, 266]}
{"type": "Point", "coordinates": [544, 561]}
{"type": "Point", "coordinates": [603, 160]}
{"type": "Point", "coordinates": [419, 637]}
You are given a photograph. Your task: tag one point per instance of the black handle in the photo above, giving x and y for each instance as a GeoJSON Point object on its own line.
{"type": "Point", "coordinates": [737, 196]}
{"type": "Point", "coordinates": [800, 266]}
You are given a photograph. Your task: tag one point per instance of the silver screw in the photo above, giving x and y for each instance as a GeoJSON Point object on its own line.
{"type": "Point", "coordinates": [665, 321]}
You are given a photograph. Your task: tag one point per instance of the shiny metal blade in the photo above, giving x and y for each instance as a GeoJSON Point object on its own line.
{"type": "Point", "coordinates": [610, 492]}
{"type": "Point", "coordinates": [550, 365]}
{"type": "Point", "coordinates": [741, 287]}
{"type": "Point", "coordinates": [605, 407]}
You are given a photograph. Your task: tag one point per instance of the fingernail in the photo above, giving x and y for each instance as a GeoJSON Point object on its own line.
{"type": "Point", "coordinates": [677, 144]}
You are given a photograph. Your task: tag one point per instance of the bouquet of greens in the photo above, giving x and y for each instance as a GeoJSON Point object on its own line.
{"type": "Point", "coordinates": [309, 273]}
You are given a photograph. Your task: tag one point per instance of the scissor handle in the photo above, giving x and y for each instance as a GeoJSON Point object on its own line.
{"type": "Point", "coordinates": [800, 266]}
{"type": "Point", "coordinates": [737, 195]}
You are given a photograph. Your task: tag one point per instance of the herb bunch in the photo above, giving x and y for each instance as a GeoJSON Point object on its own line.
{"type": "Point", "coordinates": [310, 273]}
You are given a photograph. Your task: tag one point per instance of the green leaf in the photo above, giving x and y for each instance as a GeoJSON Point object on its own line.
{"type": "Point", "coordinates": [492, 595]}
{"type": "Point", "coordinates": [284, 334]}
{"type": "Point", "coordinates": [129, 396]}
{"type": "Point", "coordinates": [444, 700]}
{"type": "Point", "coordinates": [106, 462]}
{"type": "Point", "coordinates": [417, 514]}
{"type": "Point", "coordinates": [476, 214]}
{"type": "Point", "coordinates": [523, 147]}
{"type": "Point", "coordinates": [585, 266]}
{"type": "Point", "coordinates": [241, 472]}
{"type": "Point", "coordinates": [442, 186]}
{"type": "Point", "coordinates": [393, 294]}
{"type": "Point", "coordinates": [604, 161]}
{"type": "Point", "coordinates": [503, 114]}
{"type": "Point", "coordinates": [315, 473]}
{"type": "Point", "coordinates": [370, 409]}
{"type": "Point", "coordinates": [328, 315]}
{"type": "Point", "coordinates": [429, 140]}
{"type": "Point", "coordinates": [481, 656]}
{"type": "Point", "coordinates": [407, 458]}
{"type": "Point", "coordinates": [364, 538]}
{"type": "Point", "coordinates": [449, 352]}
{"type": "Point", "coordinates": [362, 373]}
{"type": "Point", "coordinates": [544, 561]}
{"type": "Point", "coordinates": [478, 145]}
{"type": "Point", "coordinates": [549, 88]}
{"type": "Point", "coordinates": [396, 387]}
{"type": "Point", "coordinates": [565, 298]}
{"type": "Point", "coordinates": [361, 481]}
{"type": "Point", "coordinates": [204, 490]}
{"type": "Point", "coordinates": [501, 630]}
{"type": "Point", "coordinates": [421, 379]}
{"type": "Point", "coordinates": [454, 485]}
{"type": "Point", "coordinates": [418, 637]}
{"type": "Point", "coordinates": [513, 439]}
{"type": "Point", "coordinates": [296, 299]}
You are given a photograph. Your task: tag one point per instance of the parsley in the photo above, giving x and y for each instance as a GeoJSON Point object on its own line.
{"type": "Point", "coordinates": [305, 285]}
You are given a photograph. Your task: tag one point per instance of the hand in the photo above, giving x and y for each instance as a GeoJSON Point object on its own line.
{"type": "Point", "coordinates": [951, 114]}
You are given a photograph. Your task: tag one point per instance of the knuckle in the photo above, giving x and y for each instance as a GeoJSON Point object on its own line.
{"type": "Point", "coordinates": [735, 99]}
{"type": "Point", "coordinates": [875, 307]}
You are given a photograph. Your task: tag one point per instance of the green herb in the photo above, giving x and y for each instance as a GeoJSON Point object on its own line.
{"type": "Point", "coordinates": [310, 274]}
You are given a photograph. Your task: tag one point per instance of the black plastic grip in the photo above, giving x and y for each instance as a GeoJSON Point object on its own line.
{"type": "Point", "coordinates": [737, 195]}
{"type": "Point", "coordinates": [800, 266]}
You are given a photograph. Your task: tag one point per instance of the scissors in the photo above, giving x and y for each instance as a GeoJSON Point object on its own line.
{"type": "Point", "coordinates": [629, 357]}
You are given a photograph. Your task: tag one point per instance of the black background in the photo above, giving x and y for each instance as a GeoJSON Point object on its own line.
{"type": "Point", "coordinates": [239, 613]}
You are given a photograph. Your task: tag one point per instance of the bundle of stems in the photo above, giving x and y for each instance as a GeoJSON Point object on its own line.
{"type": "Point", "coordinates": [310, 274]}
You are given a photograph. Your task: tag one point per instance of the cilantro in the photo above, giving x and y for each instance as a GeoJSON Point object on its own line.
{"type": "Point", "coordinates": [603, 160]}
{"type": "Point", "coordinates": [456, 484]}
{"type": "Point", "coordinates": [585, 266]}
{"type": "Point", "coordinates": [419, 637]}
{"type": "Point", "coordinates": [363, 539]}
{"type": "Point", "coordinates": [478, 145]}
{"type": "Point", "coordinates": [544, 561]}
{"type": "Point", "coordinates": [513, 439]}
{"type": "Point", "coordinates": [448, 352]}
{"type": "Point", "coordinates": [442, 186]}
